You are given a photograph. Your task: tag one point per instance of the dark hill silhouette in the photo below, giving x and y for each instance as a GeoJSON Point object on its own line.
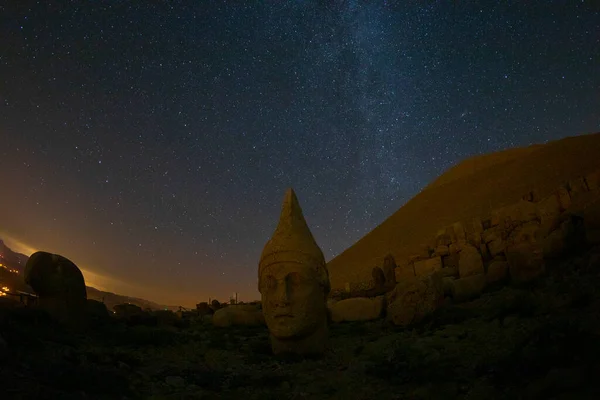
{"type": "Point", "coordinates": [16, 261]}
{"type": "Point", "coordinates": [470, 189]}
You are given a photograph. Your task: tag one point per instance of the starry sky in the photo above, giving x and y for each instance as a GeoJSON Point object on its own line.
{"type": "Point", "coordinates": [152, 142]}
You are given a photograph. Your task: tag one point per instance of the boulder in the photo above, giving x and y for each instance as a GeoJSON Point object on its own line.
{"type": "Point", "coordinates": [548, 208]}
{"type": "Point", "coordinates": [525, 262]}
{"type": "Point", "coordinates": [97, 312]}
{"type": "Point", "coordinates": [447, 283]}
{"type": "Point", "coordinates": [455, 247]}
{"type": "Point", "coordinates": [497, 272]}
{"type": "Point", "coordinates": [470, 262]}
{"type": "Point", "coordinates": [450, 261]}
{"type": "Point", "coordinates": [412, 300]}
{"type": "Point", "coordinates": [404, 272]}
{"type": "Point", "coordinates": [469, 288]}
{"type": "Point", "coordinates": [234, 315]}
{"type": "Point", "coordinates": [490, 235]}
{"type": "Point", "coordinates": [459, 232]}
{"type": "Point", "coordinates": [495, 247]}
{"type": "Point", "coordinates": [357, 309]}
{"type": "Point", "coordinates": [451, 234]}
{"type": "Point", "coordinates": [514, 214]}
{"type": "Point", "coordinates": [485, 253]}
{"type": "Point", "coordinates": [441, 251]}
{"type": "Point", "coordinates": [389, 267]}
{"type": "Point", "coordinates": [577, 186]}
{"type": "Point", "coordinates": [60, 286]}
{"type": "Point", "coordinates": [564, 198]}
{"type": "Point", "coordinates": [474, 239]}
{"type": "Point", "coordinates": [591, 215]}
{"type": "Point", "coordinates": [570, 234]}
{"type": "Point", "coordinates": [378, 278]}
{"type": "Point", "coordinates": [592, 180]}
{"type": "Point", "coordinates": [443, 238]}
{"type": "Point", "coordinates": [426, 267]}
{"type": "Point", "coordinates": [449, 271]}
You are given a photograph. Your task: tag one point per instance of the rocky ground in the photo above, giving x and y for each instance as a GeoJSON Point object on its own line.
{"type": "Point", "coordinates": [536, 342]}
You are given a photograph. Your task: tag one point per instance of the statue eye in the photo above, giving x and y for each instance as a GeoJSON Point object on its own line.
{"type": "Point", "coordinates": [269, 282]}
{"type": "Point", "coordinates": [294, 279]}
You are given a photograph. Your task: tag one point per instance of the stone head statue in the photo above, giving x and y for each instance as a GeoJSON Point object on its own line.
{"type": "Point", "coordinates": [294, 284]}
{"type": "Point", "coordinates": [59, 284]}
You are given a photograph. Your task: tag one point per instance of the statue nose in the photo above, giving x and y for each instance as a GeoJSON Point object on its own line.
{"type": "Point", "coordinates": [282, 297]}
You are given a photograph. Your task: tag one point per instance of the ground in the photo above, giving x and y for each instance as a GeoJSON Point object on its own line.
{"type": "Point", "coordinates": [540, 342]}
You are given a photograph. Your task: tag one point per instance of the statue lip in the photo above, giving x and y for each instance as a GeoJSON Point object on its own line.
{"type": "Point", "coordinates": [283, 315]}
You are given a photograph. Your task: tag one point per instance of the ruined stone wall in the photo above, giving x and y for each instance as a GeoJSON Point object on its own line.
{"type": "Point", "coordinates": [479, 245]}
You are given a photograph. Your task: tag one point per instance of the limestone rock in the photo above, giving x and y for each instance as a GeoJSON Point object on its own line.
{"type": "Point", "coordinates": [378, 278]}
{"type": "Point", "coordinates": [525, 261]}
{"type": "Point", "coordinates": [490, 235]}
{"type": "Point", "coordinates": [592, 180]}
{"type": "Point", "coordinates": [443, 239]}
{"type": "Point", "coordinates": [412, 300]}
{"type": "Point", "coordinates": [59, 284]}
{"type": "Point", "coordinates": [236, 315]}
{"type": "Point", "coordinates": [426, 267]}
{"type": "Point", "coordinates": [404, 272]}
{"type": "Point", "coordinates": [449, 271]}
{"type": "Point", "coordinates": [549, 207]}
{"type": "Point", "coordinates": [591, 215]}
{"type": "Point", "coordinates": [389, 267]}
{"type": "Point", "coordinates": [455, 247]}
{"type": "Point", "coordinates": [474, 238]}
{"type": "Point", "coordinates": [357, 309]}
{"type": "Point", "coordinates": [485, 253]}
{"type": "Point", "coordinates": [495, 247]}
{"type": "Point", "coordinates": [450, 261]}
{"type": "Point", "coordinates": [459, 232]}
{"type": "Point", "coordinates": [497, 272]}
{"type": "Point", "coordinates": [526, 233]}
{"type": "Point", "coordinates": [564, 198]}
{"type": "Point", "coordinates": [568, 236]}
{"type": "Point", "coordinates": [516, 213]}
{"type": "Point", "coordinates": [451, 234]}
{"type": "Point", "coordinates": [441, 251]}
{"type": "Point", "coordinates": [447, 284]}
{"type": "Point", "coordinates": [294, 284]}
{"type": "Point", "coordinates": [577, 186]}
{"type": "Point", "coordinates": [470, 262]}
{"type": "Point", "coordinates": [469, 288]}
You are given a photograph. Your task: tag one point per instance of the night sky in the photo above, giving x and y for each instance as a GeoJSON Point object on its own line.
{"type": "Point", "coordinates": [152, 142]}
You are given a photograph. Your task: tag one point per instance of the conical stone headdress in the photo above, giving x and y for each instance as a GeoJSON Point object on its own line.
{"type": "Point", "coordinates": [292, 242]}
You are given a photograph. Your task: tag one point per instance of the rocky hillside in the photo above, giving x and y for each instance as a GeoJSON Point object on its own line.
{"type": "Point", "coordinates": [471, 189]}
{"type": "Point", "coordinates": [9, 257]}
{"type": "Point", "coordinates": [111, 300]}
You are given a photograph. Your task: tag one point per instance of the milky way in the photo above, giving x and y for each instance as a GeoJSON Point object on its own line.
{"type": "Point", "coordinates": [152, 143]}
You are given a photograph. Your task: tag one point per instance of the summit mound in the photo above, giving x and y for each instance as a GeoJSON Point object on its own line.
{"type": "Point", "coordinates": [471, 189]}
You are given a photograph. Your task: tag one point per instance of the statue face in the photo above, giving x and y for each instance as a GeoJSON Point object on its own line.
{"type": "Point", "coordinates": [293, 300]}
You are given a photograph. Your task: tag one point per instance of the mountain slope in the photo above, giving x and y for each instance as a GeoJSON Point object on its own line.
{"type": "Point", "coordinates": [16, 261]}
{"type": "Point", "coordinates": [470, 189]}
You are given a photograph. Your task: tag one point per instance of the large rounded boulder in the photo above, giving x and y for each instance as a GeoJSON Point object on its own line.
{"type": "Point", "coordinates": [59, 284]}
